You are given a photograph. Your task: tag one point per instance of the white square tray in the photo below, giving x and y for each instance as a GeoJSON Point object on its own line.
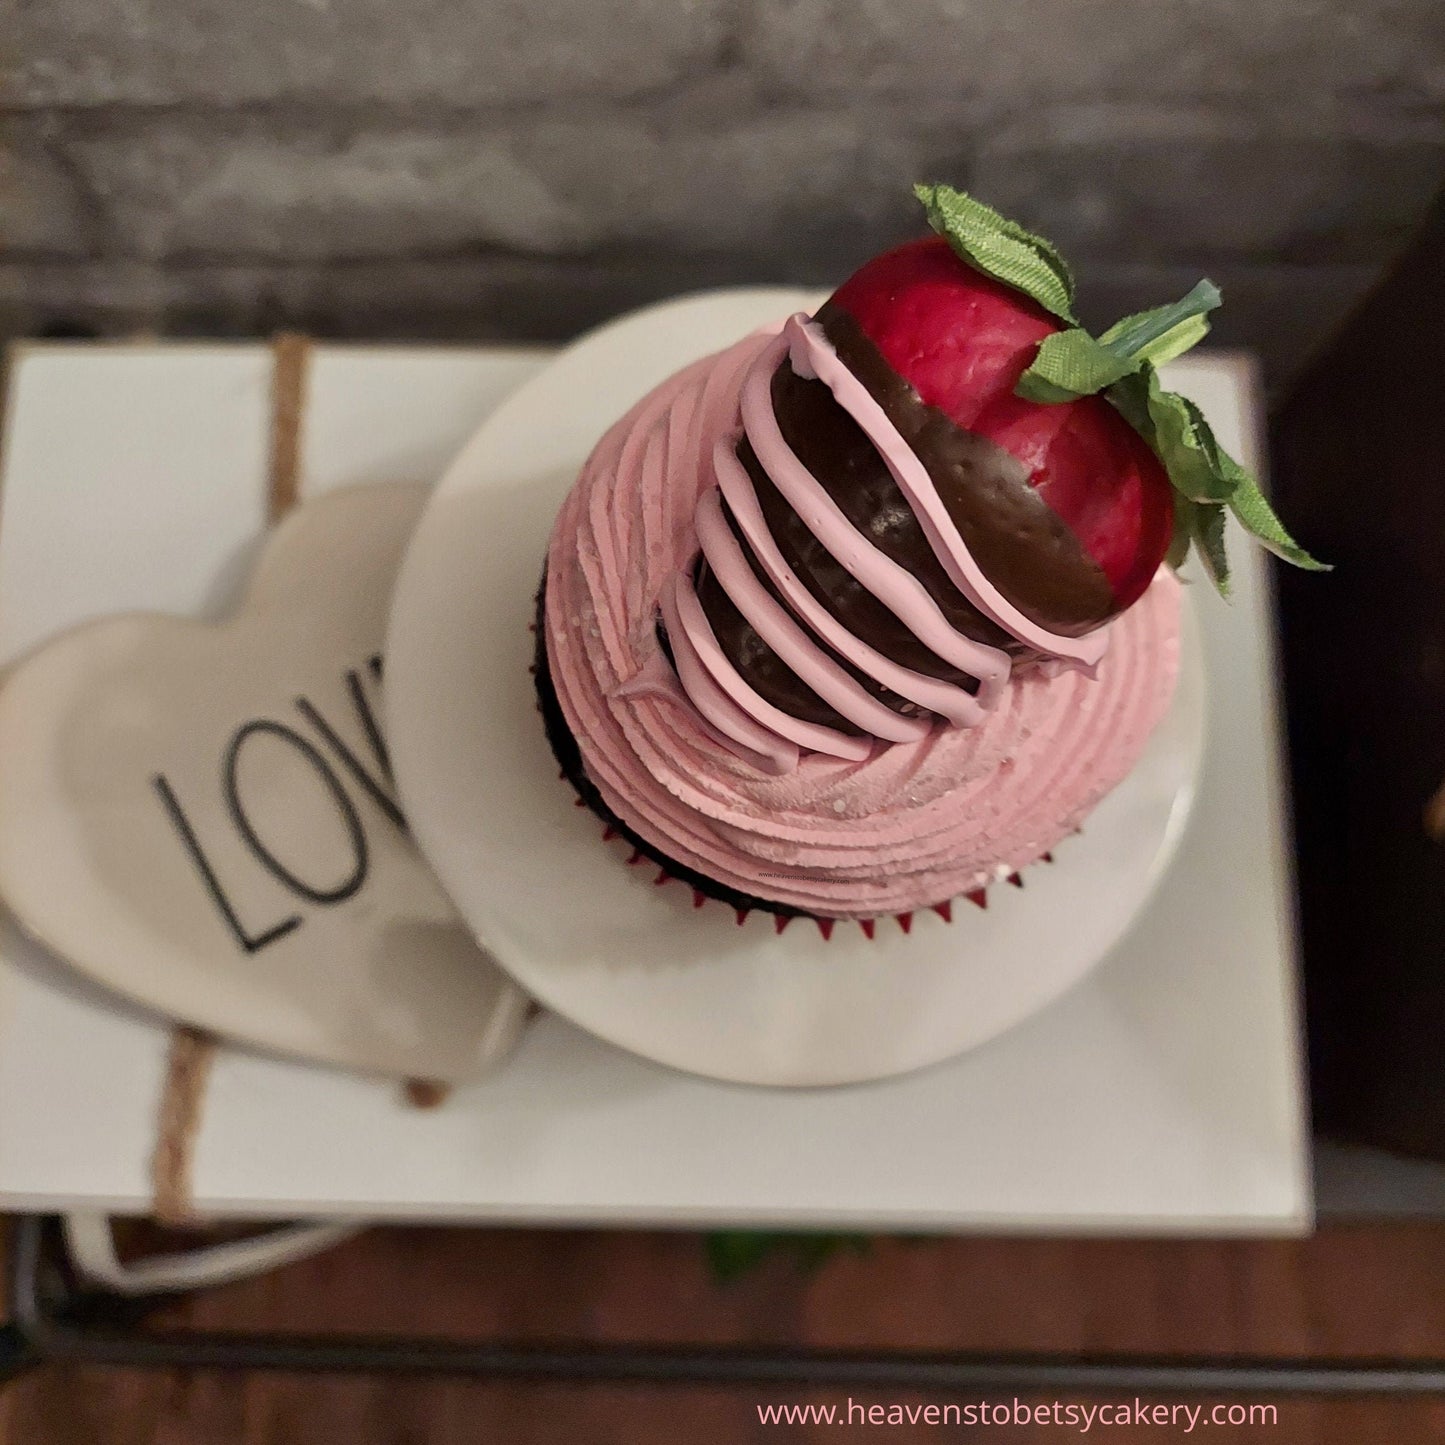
{"type": "Point", "coordinates": [1163, 1095]}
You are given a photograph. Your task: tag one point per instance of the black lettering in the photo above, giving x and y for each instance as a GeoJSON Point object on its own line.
{"type": "Point", "coordinates": [349, 885]}
{"type": "Point", "coordinates": [348, 758]}
{"type": "Point", "coordinates": [251, 942]}
{"type": "Point", "coordinates": [368, 718]}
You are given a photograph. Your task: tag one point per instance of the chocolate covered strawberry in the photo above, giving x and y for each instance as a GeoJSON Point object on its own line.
{"type": "Point", "coordinates": [943, 478]}
{"type": "Point", "coordinates": [961, 341]}
{"type": "Point", "coordinates": [865, 612]}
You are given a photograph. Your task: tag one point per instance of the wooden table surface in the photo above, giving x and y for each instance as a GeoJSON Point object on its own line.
{"type": "Point", "coordinates": [1349, 1290]}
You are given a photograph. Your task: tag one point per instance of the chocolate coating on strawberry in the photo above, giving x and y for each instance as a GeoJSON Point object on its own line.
{"type": "Point", "coordinates": [1027, 550]}
{"type": "Point", "coordinates": [961, 341]}
{"type": "Point", "coordinates": [833, 447]}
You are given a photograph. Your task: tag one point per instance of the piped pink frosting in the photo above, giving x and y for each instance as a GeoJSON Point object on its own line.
{"type": "Point", "coordinates": [898, 825]}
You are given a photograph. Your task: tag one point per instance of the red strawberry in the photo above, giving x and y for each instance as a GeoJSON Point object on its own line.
{"type": "Point", "coordinates": [1065, 499]}
{"type": "Point", "coordinates": [962, 340]}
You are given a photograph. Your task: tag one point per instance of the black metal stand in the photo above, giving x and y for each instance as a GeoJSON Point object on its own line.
{"type": "Point", "coordinates": [52, 1321]}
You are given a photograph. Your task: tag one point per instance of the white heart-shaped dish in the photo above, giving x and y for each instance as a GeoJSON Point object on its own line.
{"type": "Point", "coordinates": [201, 817]}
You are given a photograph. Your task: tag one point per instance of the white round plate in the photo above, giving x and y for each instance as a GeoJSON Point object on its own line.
{"type": "Point", "coordinates": [596, 940]}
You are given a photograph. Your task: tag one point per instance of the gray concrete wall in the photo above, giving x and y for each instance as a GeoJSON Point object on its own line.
{"type": "Point", "coordinates": [478, 168]}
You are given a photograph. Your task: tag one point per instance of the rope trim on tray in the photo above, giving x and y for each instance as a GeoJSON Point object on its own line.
{"type": "Point", "coordinates": [193, 1050]}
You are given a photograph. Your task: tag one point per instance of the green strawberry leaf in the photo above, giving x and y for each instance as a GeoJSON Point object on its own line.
{"type": "Point", "coordinates": [1182, 538]}
{"type": "Point", "coordinates": [1258, 518]}
{"type": "Point", "coordinates": [1182, 337]}
{"type": "Point", "coordinates": [1206, 481]}
{"type": "Point", "coordinates": [1122, 365]}
{"type": "Point", "coordinates": [1071, 364]}
{"type": "Point", "coordinates": [1164, 332]}
{"type": "Point", "coordinates": [1001, 248]}
{"type": "Point", "coordinates": [1207, 526]}
{"type": "Point", "coordinates": [1186, 446]}
{"type": "Point", "coordinates": [1129, 396]}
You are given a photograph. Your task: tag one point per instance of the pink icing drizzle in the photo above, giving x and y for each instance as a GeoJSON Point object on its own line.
{"type": "Point", "coordinates": [812, 354]}
{"type": "Point", "coordinates": [954, 703]}
{"type": "Point", "coordinates": [912, 824]}
{"type": "Point", "coordinates": [892, 584]}
{"type": "Point", "coordinates": [713, 700]}
{"type": "Point", "coordinates": [775, 625]}
{"type": "Point", "coordinates": [681, 608]}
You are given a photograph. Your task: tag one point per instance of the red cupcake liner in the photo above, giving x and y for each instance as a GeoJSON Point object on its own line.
{"type": "Point", "coordinates": [977, 896]}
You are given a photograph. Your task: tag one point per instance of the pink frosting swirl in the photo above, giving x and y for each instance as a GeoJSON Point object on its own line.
{"type": "Point", "coordinates": [894, 826]}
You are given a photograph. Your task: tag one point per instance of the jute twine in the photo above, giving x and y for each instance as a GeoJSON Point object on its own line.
{"type": "Point", "coordinates": [192, 1050]}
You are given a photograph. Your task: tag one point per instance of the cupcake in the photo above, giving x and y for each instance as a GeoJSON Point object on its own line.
{"type": "Point", "coordinates": [866, 612]}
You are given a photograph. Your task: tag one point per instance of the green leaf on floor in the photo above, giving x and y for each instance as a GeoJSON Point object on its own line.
{"type": "Point", "coordinates": [733, 1253]}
